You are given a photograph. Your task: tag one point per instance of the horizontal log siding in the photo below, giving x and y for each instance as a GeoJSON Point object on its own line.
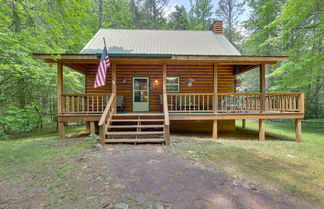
{"type": "Point", "coordinates": [202, 74]}
{"type": "Point", "coordinates": [90, 78]}
{"type": "Point", "coordinates": [225, 79]}
{"type": "Point", "coordinates": [128, 72]}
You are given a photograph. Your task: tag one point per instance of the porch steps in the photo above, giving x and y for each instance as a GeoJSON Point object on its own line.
{"type": "Point", "coordinates": [135, 133]}
{"type": "Point", "coordinates": [148, 140]}
{"type": "Point", "coordinates": [137, 114]}
{"type": "Point", "coordinates": [137, 120]}
{"type": "Point", "coordinates": [136, 128]}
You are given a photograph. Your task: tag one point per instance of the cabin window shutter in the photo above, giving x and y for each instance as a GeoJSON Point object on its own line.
{"type": "Point", "coordinates": [173, 84]}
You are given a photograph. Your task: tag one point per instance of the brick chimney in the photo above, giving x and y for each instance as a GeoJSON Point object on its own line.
{"type": "Point", "coordinates": [217, 27]}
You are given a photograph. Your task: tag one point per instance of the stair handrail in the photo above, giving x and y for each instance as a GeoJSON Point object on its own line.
{"type": "Point", "coordinates": [166, 119]}
{"type": "Point", "coordinates": [106, 115]}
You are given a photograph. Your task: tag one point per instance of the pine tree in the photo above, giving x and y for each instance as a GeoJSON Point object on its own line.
{"type": "Point", "coordinates": [200, 14]}
{"type": "Point", "coordinates": [178, 20]}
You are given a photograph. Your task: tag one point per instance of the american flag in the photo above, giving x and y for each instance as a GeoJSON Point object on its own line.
{"type": "Point", "coordinates": [102, 69]}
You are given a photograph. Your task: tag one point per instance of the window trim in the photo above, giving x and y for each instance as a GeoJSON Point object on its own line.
{"type": "Point", "coordinates": [178, 84]}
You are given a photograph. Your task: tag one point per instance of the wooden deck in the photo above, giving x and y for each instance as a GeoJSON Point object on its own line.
{"type": "Point", "coordinates": [101, 108]}
{"type": "Point", "coordinates": [193, 106]}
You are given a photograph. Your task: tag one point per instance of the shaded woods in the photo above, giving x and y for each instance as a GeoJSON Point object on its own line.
{"type": "Point", "coordinates": [267, 27]}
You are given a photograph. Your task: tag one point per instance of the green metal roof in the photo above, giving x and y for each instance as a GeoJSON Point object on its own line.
{"type": "Point", "coordinates": [157, 43]}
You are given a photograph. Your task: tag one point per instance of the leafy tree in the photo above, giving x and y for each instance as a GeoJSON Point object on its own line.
{"type": "Point", "coordinates": [178, 20]}
{"type": "Point", "coordinates": [293, 28]}
{"type": "Point", "coordinates": [263, 12]}
{"type": "Point", "coordinates": [301, 38]}
{"type": "Point", "coordinates": [114, 13]}
{"type": "Point", "coordinates": [200, 14]}
{"type": "Point", "coordinates": [28, 86]}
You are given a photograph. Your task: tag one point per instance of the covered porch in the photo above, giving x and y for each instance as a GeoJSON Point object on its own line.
{"type": "Point", "coordinates": [98, 108]}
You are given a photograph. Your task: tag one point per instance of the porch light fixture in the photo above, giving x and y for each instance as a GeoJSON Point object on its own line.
{"type": "Point", "coordinates": [189, 82]}
{"type": "Point", "coordinates": [124, 80]}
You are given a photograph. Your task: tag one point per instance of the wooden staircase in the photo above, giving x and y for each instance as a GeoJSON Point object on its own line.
{"type": "Point", "coordinates": [136, 128]}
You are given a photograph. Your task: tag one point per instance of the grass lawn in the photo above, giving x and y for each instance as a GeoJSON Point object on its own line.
{"type": "Point", "coordinates": [279, 164]}
{"type": "Point", "coordinates": [39, 170]}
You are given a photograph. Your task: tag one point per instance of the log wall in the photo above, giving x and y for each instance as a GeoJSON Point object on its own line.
{"type": "Point", "coordinates": [202, 75]}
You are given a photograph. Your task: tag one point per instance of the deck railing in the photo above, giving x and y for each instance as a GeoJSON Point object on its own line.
{"type": "Point", "coordinates": [190, 102]}
{"type": "Point", "coordinates": [106, 118]}
{"type": "Point", "coordinates": [84, 103]}
{"type": "Point", "coordinates": [236, 102]}
{"type": "Point", "coordinates": [166, 119]}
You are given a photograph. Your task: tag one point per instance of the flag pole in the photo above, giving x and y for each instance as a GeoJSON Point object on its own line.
{"type": "Point", "coordinates": [104, 42]}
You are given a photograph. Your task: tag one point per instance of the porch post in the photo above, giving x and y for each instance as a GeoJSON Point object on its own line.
{"type": "Point", "coordinates": [298, 129]}
{"type": "Point", "coordinates": [262, 87]}
{"type": "Point", "coordinates": [59, 98]}
{"type": "Point", "coordinates": [164, 76]}
{"type": "Point", "coordinates": [166, 127]}
{"type": "Point", "coordinates": [215, 129]}
{"type": "Point", "coordinates": [88, 127]}
{"type": "Point", "coordinates": [92, 127]}
{"type": "Point", "coordinates": [215, 103]}
{"type": "Point", "coordinates": [114, 85]}
{"type": "Point", "coordinates": [243, 123]}
{"type": "Point", "coordinates": [261, 130]}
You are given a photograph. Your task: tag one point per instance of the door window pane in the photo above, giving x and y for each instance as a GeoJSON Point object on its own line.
{"type": "Point", "coordinates": [140, 96]}
{"type": "Point", "coordinates": [140, 84]}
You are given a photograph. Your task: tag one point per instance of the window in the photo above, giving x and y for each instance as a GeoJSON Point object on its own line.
{"type": "Point", "coordinates": [173, 84]}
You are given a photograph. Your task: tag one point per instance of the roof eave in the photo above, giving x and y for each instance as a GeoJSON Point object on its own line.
{"type": "Point", "coordinates": [217, 58]}
{"type": "Point", "coordinates": [249, 58]}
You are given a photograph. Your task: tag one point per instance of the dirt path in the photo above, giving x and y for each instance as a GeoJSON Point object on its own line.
{"type": "Point", "coordinates": [159, 178]}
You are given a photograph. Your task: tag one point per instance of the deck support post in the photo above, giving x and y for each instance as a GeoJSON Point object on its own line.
{"type": "Point", "coordinates": [167, 135]}
{"type": "Point", "coordinates": [59, 98]}
{"type": "Point", "coordinates": [243, 123]}
{"type": "Point", "coordinates": [114, 85]}
{"type": "Point", "coordinates": [261, 130]}
{"type": "Point", "coordinates": [92, 127]}
{"type": "Point", "coordinates": [215, 129]}
{"type": "Point", "coordinates": [262, 87]}
{"type": "Point", "coordinates": [61, 129]}
{"type": "Point", "coordinates": [298, 130]}
{"type": "Point", "coordinates": [102, 135]}
{"type": "Point", "coordinates": [88, 127]}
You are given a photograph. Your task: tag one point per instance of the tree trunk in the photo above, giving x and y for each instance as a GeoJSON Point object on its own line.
{"type": "Point", "coordinates": [99, 14]}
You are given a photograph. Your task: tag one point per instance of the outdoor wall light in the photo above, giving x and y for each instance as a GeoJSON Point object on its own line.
{"type": "Point", "coordinates": [156, 81]}
{"type": "Point", "coordinates": [124, 80]}
{"type": "Point", "coordinates": [189, 82]}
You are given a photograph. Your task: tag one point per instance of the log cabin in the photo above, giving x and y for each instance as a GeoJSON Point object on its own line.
{"type": "Point", "coordinates": [164, 79]}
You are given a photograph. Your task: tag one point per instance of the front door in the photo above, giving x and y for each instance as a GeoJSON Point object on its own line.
{"type": "Point", "coordinates": [141, 94]}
